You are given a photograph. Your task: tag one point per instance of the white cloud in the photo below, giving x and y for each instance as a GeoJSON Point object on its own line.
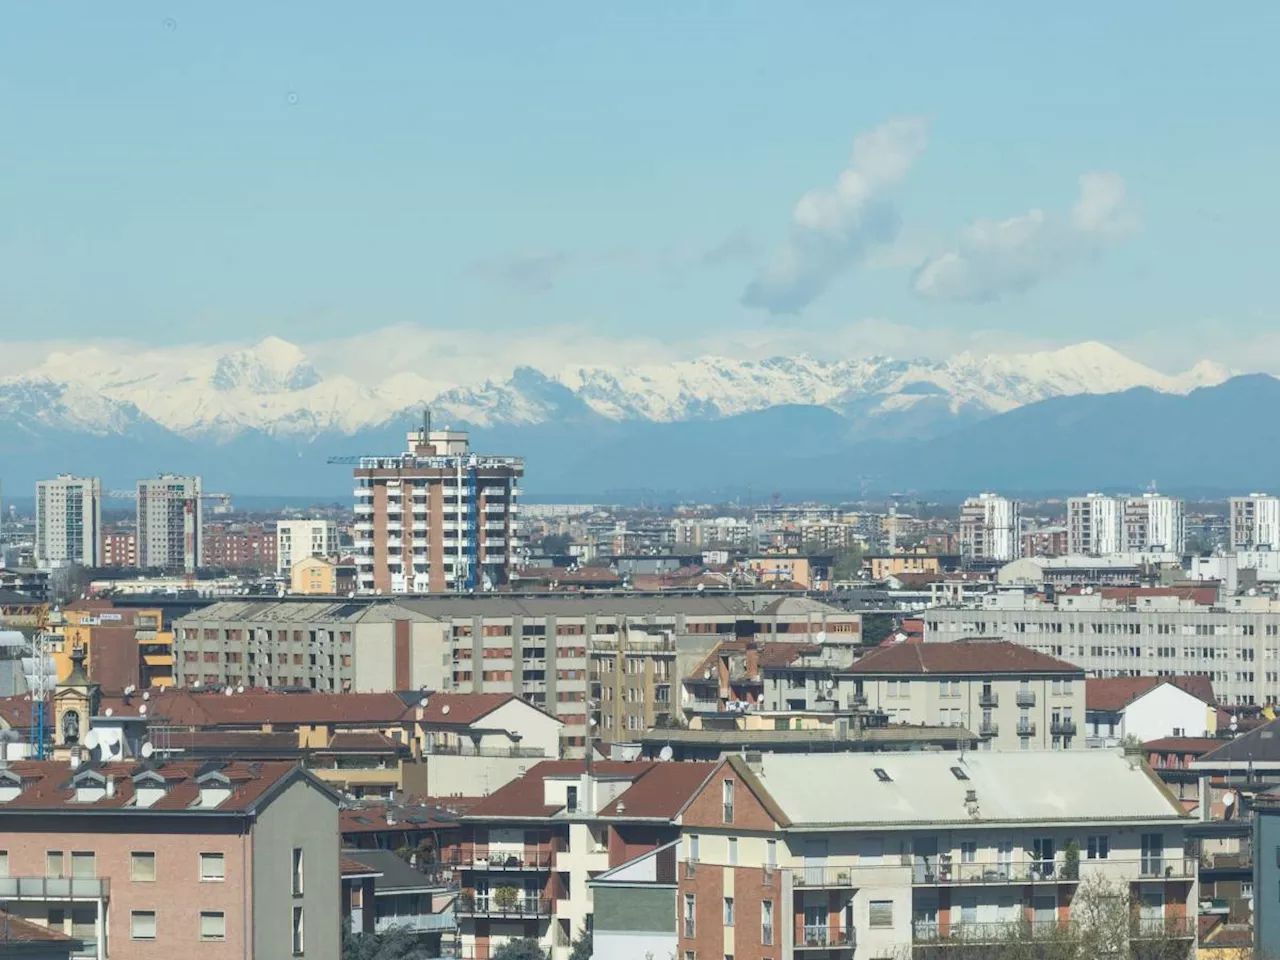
{"type": "Point", "coordinates": [992, 258]}
{"type": "Point", "coordinates": [835, 229]}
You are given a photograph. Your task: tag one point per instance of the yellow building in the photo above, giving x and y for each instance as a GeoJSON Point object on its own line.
{"type": "Point", "coordinates": [883, 567]}
{"type": "Point", "coordinates": [141, 628]}
{"type": "Point", "coordinates": [314, 576]}
{"type": "Point", "coordinates": [783, 569]}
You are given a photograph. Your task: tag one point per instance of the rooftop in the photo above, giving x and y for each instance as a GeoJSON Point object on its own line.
{"type": "Point", "coordinates": [1111, 694]}
{"type": "Point", "coordinates": [983, 657]}
{"type": "Point", "coordinates": [660, 798]}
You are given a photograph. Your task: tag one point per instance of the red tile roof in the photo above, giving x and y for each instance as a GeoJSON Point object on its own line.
{"type": "Point", "coordinates": [524, 796]}
{"type": "Point", "coordinates": [1111, 694]}
{"type": "Point", "coordinates": [662, 792]}
{"type": "Point", "coordinates": [354, 868]}
{"type": "Point", "coordinates": [47, 785]}
{"type": "Point", "coordinates": [433, 815]}
{"type": "Point", "coordinates": [16, 712]}
{"type": "Point", "coordinates": [961, 657]}
{"type": "Point", "coordinates": [361, 741]}
{"type": "Point", "coordinates": [1196, 745]}
{"type": "Point", "coordinates": [16, 930]}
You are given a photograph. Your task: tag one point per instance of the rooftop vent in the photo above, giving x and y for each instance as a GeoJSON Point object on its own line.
{"type": "Point", "coordinates": [959, 774]}
{"type": "Point", "coordinates": [883, 775]}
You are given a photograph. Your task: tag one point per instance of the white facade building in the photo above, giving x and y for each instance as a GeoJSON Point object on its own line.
{"type": "Point", "coordinates": [1093, 525]}
{"type": "Point", "coordinates": [1119, 707]}
{"type": "Point", "coordinates": [69, 521]}
{"type": "Point", "coordinates": [170, 522]}
{"type": "Point", "coordinates": [1152, 523]}
{"type": "Point", "coordinates": [299, 539]}
{"type": "Point", "coordinates": [1255, 522]}
{"type": "Point", "coordinates": [990, 528]}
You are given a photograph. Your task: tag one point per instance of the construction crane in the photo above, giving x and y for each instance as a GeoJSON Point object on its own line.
{"type": "Point", "coordinates": [190, 558]}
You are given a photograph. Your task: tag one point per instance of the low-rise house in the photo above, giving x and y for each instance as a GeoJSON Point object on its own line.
{"type": "Point", "coordinates": [1148, 708]}
{"type": "Point", "coordinates": [218, 860]}
{"type": "Point", "coordinates": [1012, 697]}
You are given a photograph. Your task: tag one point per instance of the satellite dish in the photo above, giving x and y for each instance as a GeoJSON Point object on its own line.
{"type": "Point", "coordinates": [108, 712]}
{"type": "Point", "coordinates": [91, 739]}
{"type": "Point", "coordinates": [147, 750]}
{"type": "Point", "coordinates": [666, 753]}
{"type": "Point", "coordinates": [240, 689]}
{"type": "Point", "coordinates": [1229, 800]}
{"type": "Point", "coordinates": [706, 674]}
{"type": "Point", "coordinates": [195, 685]}
{"type": "Point", "coordinates": [423, 703]}
{"type": "Point", "coordinates": [146, 694]}
{"type": "Point", "coordinates": [444, 709]}
{"type": "Point", "coordinates": [142, 710]}
{"type": "Point", "coordinates": [228, 691]}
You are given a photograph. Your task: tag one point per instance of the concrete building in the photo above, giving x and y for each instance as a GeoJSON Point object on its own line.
{"type": "Point", "coordinates": [219, 860]}
{"type": "Point", "coordinates": [314, 576]}
{"type": "Point", "coordinates": [634, 907]}
{"type": "Point", "coordinates": [1266, 875]}
{"type": "Point", "coordinates": [299, 539]}
{"type": "Point", "coordinates": [119, 548]}
{"type": "Point", "coordinates": [1011, 697]}
{"type": "Point", "coordinates": [1116, 632]}
{"type": "Point", "coordinates": [381, 891]}
{"type": "Point", "coordinates": [69, 522]}
{"type": "Point", "coordinates": [1154, 523]}
{"type": "Point", "coordinates": [437, 518]}
{"type": "Point", "coordinates": [1094, 525]}
{"type": "Point", "coordinates": [239, 546]}
{"type": "Point", "coordinates": [1255, 522]}
{"type": "Point", "coordinates": [990, 529]}
{"type": "Point", "coordinates": [170, 522]}
{"type": "Point", "coordinates": [1148, 709]}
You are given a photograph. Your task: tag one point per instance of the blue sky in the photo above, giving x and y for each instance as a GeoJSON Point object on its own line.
{"type": "Point", "coordinates": [611, 174]}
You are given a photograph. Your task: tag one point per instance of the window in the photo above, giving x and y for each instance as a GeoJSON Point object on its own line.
{"type": "Point", "coordinates": [695, 847]}
{"type": "Point", "coordinates": [53, 863]}
{"type": "Point", "coordinates": [82, 865]}
{"type": "Point", "coordinates": [766, 923]}
{"type": "Point", "coordinates": [690, 916]}
{"type": "Point", "coordinates": [881, 914]}
{"type": "Point", "coordinates": [142, 866]}
{"type": "Point", "coordinates": [771, 853]}
{"type": "Point", "coordinates": [297, 932]}
{"type": "Point", "coordinates": [213, 868]}
{"type": "Point", "coordinates": [959, 773]}
{"type": "Point", "coordinates": [733, 851]}
{"type": "Point", "coordinates": [142, 924]}
{"type": "Point", "coordinates": [882, 775]}
{"type": "Point", "coordinates": [571, 799]}
{"type": "Point", "coordinates": [727, 795]}
{"type": "Point", "coordinates": [1099, 847]}
{"type": "Point", "coordinates": [728, 911]}
{"type": "Point", "coordinates": [213, 925]}
{"type": "Point", "coordinates": [297, 871]}
{"type": "Point", "coordinates": [968, 851]}
{"type": "Point", "coordinates": [4, 863]}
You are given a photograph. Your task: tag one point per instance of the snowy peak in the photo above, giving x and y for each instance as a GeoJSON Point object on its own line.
{"type": "Point", "coordinates": [272, 366]}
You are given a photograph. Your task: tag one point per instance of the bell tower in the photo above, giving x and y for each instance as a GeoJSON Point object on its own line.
{"type": "Point", "coordinates": [75, 700]}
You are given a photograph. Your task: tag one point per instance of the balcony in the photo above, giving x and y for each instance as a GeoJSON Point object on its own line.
{"type": "Point", "coordinates": [420, 923]}
{"type": "Point", "coordinates": [499, 862]}
{"type": "Point", "coordinates": [1026, 698]}
{"type": "Point", "coordinates": [819, 878]}
{"type": "Point", "coordinates": [824, 938]}
{"type": "Point", "coordinates": [1062, 728]}
{"type": "Point", "coordinates": [522, 908]}
{"type": "Point", "coordinates": [55, 888]}
{"type": "Point", "coordinates": [856, 701]}
{"type": "Point", "coordinates": [945, 871]}
{"type": "Point", "coordinates": [988, 728]}
{"type": "Point", "coordinates": [989, 699]}
{"type": "Point", "coordinates": [1026, 728]}
{"type": "Point", "coordinates": [703, 706]}
{"type": "Point", "coordinates": [1151, 928]}
{"type": "Point", "coordinates": [930, 932]}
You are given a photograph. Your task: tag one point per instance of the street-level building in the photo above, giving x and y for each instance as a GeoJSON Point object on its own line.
{"type": "Point", "coordinates": [69, 522]}
{"type": "Point", "coordinates": [1013, 698]}
{"type": "Point", "coordinates": [891, 855]}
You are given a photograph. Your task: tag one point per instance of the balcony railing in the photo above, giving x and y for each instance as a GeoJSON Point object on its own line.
{"type": "Point", "coordinates": [815, 878]}
{"type": "Point", "coordinates": [822, 937]}
{"type": "Point", "coordinates": [989, 699]}
{"type": "Point", "coordinates": [1150, 928]}
{"type": "Point", "coordinates": [542, 860]}
{"type": "Point", "coordinates": [926, 932]}
{"type": "Point", "coordinates": [1062, 728]}
{"type": "Point", "coordinates": [1026, 728]}
{"type": "Point", "coordinates": [1026, 698]}
{"type": "Point", "coordinates": [55, 888]}
{"type": "Point", "coordinates": [520, 908]}
{"type": "Point", "coordinates": [988, 728]}
{"type": "Point", "coordinates": [422, 923]}
{"type": "Point", "coordinates": [939, 871]}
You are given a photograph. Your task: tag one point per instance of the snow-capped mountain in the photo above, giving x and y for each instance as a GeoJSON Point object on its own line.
{"type": "Point", "coordinates": [273, 388]}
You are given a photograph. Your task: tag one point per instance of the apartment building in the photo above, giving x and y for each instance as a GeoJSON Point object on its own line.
{"type": "Point", "coordinates": [119, 548]}
{"type": "Point", "coordinates": [299, 539]}
{"type": "Point", "coordinates": [1148, 709]}
{"type": "Point", "coordinates": [170, 522]}
{"type": "Point", "coordinates": [1255, 522]}
{"type": "Point", "coordinates": [1012, 697]}
{"type": "Point", "coordinates": [437, 518]}
{"type": "Point", "coordinates": [159, 860]}
{"type": "Point", "coordinates": [1094, 526]}
{"type": "Point", "coordinates": [937, 851]}
{"type": "Point", "coordinates": [1234, 643]}
{"type": "Point", "coordinates": [1154, 523]}
{"type": "Point", "coordinates": [69, 522]}
{"type": "Point", "coordinates": [239, 546]}
{"type": "Point", "coordinates": [124, 646]}
{"type": "Point", "coordinates": [990, 529]}
{"type": "Point", "coordinates": [527, 854]}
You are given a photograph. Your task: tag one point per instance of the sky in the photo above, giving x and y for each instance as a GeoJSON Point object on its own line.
{"type": "Point", "coordinates": [423, 185]}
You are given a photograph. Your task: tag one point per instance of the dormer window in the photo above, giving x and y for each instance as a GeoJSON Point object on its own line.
{"type": "Point", "coordinates": [10, 785]}
{"type": "Point", "coordinates": [214, 789]}
{"type": "Point", "coordinates": [89, 786]}
{"type": "Point", "coordinates": [148, 787]}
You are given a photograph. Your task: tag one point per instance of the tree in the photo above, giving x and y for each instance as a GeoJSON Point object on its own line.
{"type": "Point", "coordinates": [848, 564]}
{"type": "Point", "coordinates": [523, 949]}
{"type": "Point", "coordinates": [555, 543]}
{"type": "Point", "coordinates": [582, 946]}
{"type": "Point", "coordinates": [396, 943]}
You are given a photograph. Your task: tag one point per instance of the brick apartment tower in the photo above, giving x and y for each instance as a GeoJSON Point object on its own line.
{"type": "Point", "coordinates": [437, 518]}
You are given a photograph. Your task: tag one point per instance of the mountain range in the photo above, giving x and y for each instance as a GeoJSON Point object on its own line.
{"type": "Point", "coordinates": [262, 420]}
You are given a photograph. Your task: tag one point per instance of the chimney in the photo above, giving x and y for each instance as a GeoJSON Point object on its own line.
{"type": "Point", "coordinates": [111, 787]}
